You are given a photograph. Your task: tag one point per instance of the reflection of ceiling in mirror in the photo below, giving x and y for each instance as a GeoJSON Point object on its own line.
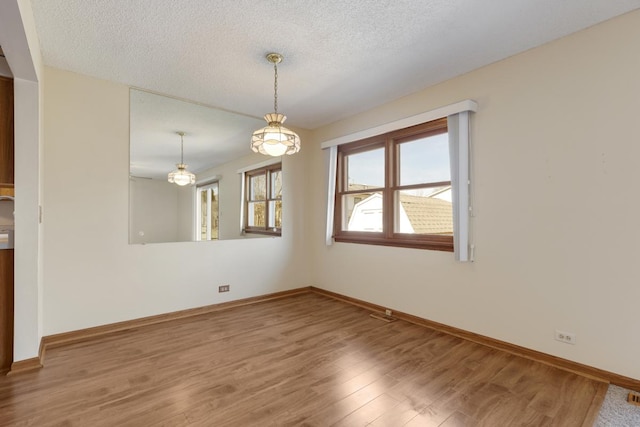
{"type": "Point", "coordinates": [211, 136]}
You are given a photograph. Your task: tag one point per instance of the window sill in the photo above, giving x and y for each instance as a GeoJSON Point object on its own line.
{"type": "Point", "coordinates": [276, 233]}
{"type": "Point", "coordinates": [435, 243]}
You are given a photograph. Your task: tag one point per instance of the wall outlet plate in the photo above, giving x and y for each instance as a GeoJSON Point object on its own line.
{"type": "Point", "coordinates": [565, 337]}
{"type": "Point", "coordinates": [223, 288]}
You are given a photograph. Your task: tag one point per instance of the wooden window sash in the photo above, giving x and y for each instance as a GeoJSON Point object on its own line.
{"type": "Point", "coordinates": [267, 172]}
{"type": "Point", "coordinates": [391, 143]}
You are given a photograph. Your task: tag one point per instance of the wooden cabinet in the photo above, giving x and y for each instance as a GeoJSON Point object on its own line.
{"type": "Point", "coordinates": [6, 131]}
{"type": "Point", "coordinates": [6, 310]}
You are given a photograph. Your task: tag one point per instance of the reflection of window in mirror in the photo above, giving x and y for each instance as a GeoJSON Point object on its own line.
{"type": "Point", "coordinates": [207, 198]}
{"type": "Point", "coordinates": [263, 203]}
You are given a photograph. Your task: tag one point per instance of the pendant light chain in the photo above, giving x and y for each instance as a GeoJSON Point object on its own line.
{"type": "Point", "coordinates": [182, 148]}
{"type": "Point", "coordinates": [275, 87]}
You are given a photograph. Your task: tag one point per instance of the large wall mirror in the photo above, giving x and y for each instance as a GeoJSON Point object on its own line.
{"type": "Point", "coordinates": [215, 148]}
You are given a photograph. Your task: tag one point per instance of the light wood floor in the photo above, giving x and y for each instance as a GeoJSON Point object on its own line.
{"type": "Point", "coordinates": [305, 360]}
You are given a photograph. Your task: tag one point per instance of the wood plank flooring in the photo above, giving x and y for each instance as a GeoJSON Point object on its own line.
{"type": "Point", "coordinates": [305, 360]}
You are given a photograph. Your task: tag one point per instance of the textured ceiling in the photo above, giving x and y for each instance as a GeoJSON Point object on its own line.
{"type": "Point", "coordinates": [341, 57]}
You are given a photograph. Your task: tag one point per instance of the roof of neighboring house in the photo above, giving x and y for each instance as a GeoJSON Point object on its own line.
{"type": "Point", "coordinates": [354, 187]}
{"type": "Point", "coordinates": [438, 191]}
{"type": "Point", "coordinates": [428, 215]}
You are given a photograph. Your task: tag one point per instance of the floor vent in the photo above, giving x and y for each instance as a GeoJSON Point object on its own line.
{"type": "Point", "coordinates": [634, 398]}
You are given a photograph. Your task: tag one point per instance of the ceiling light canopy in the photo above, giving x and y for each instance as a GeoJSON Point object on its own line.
{"type": "Point", "coordinates": [181, 176]}
{"type": "Point", "coordinates": [275, 139]}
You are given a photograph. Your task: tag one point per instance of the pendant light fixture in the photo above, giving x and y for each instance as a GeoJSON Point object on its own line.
{"type": "Point", "coordinates": [181, 176]}
{"type": "Point", "coordinates": [275, 139]}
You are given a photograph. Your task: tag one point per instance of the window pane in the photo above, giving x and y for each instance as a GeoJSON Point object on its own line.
{"type": "Point", "coordinates": [203, 214]}
{"type": "Point", "coordinates": [275, 214]}
{"type": "Point", "coordinates": [214, 212]}
{"type": "Point", "coordinates": [276, 184]}
{"type": "Point", "coordinates": [365, 170]}
{"type": "Point", "coordinates": [256, 214]}
{"type": "Point", "coordinates": [362, 212]}
{"type": "Point", "coordinates": [208, 212]}
{"type": "Point", "coordinates": [258, 189]}
{"type": "Point", "coordinates": [263, 205]}
{"type": "Point", "coordinates": [424, 211]}
{"type": "Point", "coordinates": [425, 160]}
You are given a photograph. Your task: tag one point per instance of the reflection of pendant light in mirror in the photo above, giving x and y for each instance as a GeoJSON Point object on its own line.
{"type": "Point", "coordinates": [182, 176]}
{"type": "Point", "coordinates": [275, 139]}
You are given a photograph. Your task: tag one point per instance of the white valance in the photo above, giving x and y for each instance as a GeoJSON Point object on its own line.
{"type": "Point", "coordinates": [438, 113]}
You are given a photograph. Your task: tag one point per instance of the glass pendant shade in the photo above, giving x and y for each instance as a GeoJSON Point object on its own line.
{"type": "Point", "coordinates": [275, 139]}
{"type": "Point", "coordinates": [182, 176]}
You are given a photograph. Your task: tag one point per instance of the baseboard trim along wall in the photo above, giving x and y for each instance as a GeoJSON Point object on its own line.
{"type": "Point", "coordinates": [557, 362]}
{"type": "Point", "coordinates": [65, 338]}
{"type": "Point", "coordinates": [26, 365]}
{"type": "Point", "coordinates": [57, 340]}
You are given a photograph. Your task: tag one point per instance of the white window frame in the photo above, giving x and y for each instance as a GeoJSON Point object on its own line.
{"type": "Point", "coordinates": [208, 187]}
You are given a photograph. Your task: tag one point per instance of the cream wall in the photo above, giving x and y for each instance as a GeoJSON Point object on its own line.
{"type": "Point", "coordinates": [555, 152]}
{"type": "Point", "coordinates": [92, 275]}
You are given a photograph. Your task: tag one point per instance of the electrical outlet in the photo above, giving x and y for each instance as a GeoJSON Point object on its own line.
{"type": "Point", "coordinates": [223, 288]}
{"type": "Point", "coordinates": [388, 312]}
{"type": "Point", "coordinates": [565, 337]}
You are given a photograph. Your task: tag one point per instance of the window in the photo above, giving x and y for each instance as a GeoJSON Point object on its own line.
{"type": "Point", "coordinates": [207, 211]}
{"type": "Point", "coordinates": [263, 201]}
{"type": "Point", "coordinates": [395, 189]}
